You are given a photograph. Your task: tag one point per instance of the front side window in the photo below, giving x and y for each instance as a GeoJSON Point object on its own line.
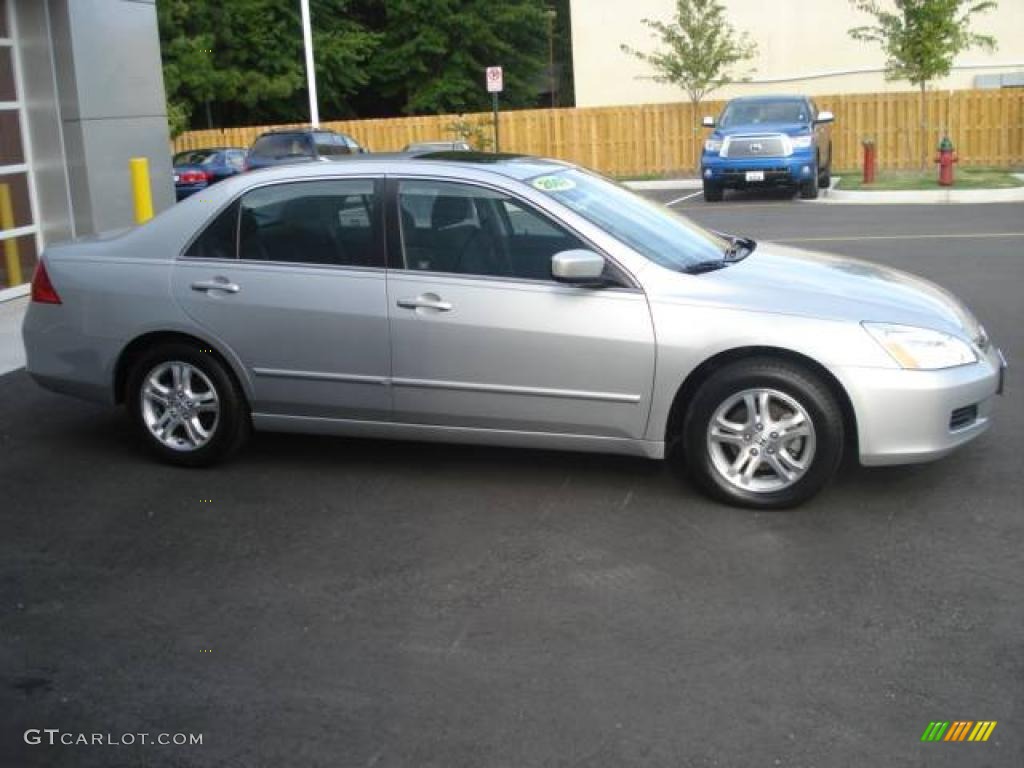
{"type": "Point", "coordinates": [330, 222]}
{"type": "Point", "coordinates": [463, 229]}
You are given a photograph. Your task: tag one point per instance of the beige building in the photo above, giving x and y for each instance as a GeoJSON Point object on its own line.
{"type": "Point", "coordinates": [803, 47]}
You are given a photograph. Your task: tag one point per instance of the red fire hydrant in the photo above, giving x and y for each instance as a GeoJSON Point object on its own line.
{"type": "Point", "coordinates": [945, 159]}
{"type": "Point", "coordinates": [869, 161]}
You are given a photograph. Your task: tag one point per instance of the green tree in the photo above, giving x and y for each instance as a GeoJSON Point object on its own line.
{"type": "Point", "coordinates": [433, 54]}
{"type": "Point", "coordinates": [920, 41]}
{"type": "Point", "coordinates": [241, 62]}
{"type": "Point", "coordinates": [700, 49]}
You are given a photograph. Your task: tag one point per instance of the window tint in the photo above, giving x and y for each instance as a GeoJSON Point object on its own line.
{"type": "Point", "coordinates": [470, 230]}
{"type": "Point", "coordinates": [218, 239]}
{"type": "Point", "coordinates": [312, 222]}
{"type": "Point", "coordinates": [278, 145]}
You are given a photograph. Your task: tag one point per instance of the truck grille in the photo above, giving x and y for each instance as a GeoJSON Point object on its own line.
{"type": "Point", "coordinates": [756, 146]}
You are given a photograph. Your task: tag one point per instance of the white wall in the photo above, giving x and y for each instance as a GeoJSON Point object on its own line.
{"type": "Point", "coordinates": [803, 47]}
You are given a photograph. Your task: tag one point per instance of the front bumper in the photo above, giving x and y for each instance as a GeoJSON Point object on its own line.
{"type": "Point", "coordinates": [906, 417]}
{"type": "Point", "coordinates": [777, 171]}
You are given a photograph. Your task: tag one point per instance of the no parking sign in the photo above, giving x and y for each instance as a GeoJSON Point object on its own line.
{"type": "Point", "coordinates": [495, 80]}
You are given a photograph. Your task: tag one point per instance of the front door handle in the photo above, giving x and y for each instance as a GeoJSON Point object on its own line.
{"type": "Point", "coordinates": [426, 301]}
{"type": "Point", "coordinates": [217, 284]}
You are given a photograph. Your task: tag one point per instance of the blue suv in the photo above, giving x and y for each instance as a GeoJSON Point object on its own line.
{"type": "Point", "coordinates": [768, 141]}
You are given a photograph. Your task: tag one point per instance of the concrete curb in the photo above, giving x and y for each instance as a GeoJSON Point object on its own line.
{"type": "Point", "coordinates": [921, 196]}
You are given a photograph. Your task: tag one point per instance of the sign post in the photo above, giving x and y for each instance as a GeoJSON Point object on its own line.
{"type": "Point", "coordinates": [495, 83]}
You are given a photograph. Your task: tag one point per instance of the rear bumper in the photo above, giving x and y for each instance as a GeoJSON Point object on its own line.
{"type": "Point", "coordinates": [181, 191]}
{"type": "Point", "coordinates": [907, 417]}
{"type": "Point", "coordinates": [777, 171]}
{"type": "Point", "coordinates": [65, 361]}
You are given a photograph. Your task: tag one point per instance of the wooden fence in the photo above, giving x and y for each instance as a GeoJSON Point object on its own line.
{"type": "Point", "coordinates": [987, 128]}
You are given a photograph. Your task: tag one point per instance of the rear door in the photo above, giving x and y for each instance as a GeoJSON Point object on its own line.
{"type": "Point", "coordinates": [291, 278]}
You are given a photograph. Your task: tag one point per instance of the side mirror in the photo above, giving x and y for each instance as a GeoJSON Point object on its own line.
{"type": "Point", "coordinates": [825, 117]}
{"type": "Point", "coordinates": [708, 121]}
{"type": "Point", "coordinates": [577, 266]}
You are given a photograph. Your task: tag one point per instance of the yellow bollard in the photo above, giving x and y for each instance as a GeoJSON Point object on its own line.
{"type": "Point", "coordinates": [140, 189]}
{"type": "Point", "coordinates": [11, 259]}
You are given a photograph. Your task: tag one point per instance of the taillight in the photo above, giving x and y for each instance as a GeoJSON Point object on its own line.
{"type": "Point", "coordinates": [43, 291]}
{"type": "Point", "coordinates": [195, 177]}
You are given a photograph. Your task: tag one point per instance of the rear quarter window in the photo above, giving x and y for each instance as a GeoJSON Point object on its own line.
{"type": "Point", "coordinates": [219, 240]}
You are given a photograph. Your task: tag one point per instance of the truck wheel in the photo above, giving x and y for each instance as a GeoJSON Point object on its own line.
{"type": "Point", "coordinates": [186, 406]}
{"type": "Point", "coordinates": [825, 175]}
{"type": "Point", "coordinates": [763, 433]}
{"type": "Point", "coordinates": [713, 193]}
{"type": "Point", "coordinates": [809, 188]}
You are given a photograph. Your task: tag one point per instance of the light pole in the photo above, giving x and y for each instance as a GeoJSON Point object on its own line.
{"type": "Point", "coordinates": [307, 40]}
{"type": "Point", "coordinates": [551, 15]}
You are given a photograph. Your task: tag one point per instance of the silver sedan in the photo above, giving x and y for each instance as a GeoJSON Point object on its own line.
{"type": "Point", "coordinates": [506, 300]}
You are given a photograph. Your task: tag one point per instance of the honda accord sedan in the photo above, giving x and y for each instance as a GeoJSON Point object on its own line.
{"type": "Point", "coordinates": [506, 300]}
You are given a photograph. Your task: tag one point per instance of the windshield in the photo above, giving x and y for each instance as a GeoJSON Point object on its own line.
{"type": "Point", "coordinates": [752, 113]}
{"type": "Point", "coordinates": [651, 229]}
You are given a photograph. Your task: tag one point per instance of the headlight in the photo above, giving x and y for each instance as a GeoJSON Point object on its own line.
{"type": "Point", "coordinates": [713, 145]}
{"type": "Point", "coordinates": [801, 142]}
{"type": "Point", "coordinates": [921, 348]}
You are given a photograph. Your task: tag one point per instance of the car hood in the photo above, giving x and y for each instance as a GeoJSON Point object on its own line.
{"type": "Point", "coordinates": [781, 280]}
{"type": "Point", "coordinates": [791, 129]}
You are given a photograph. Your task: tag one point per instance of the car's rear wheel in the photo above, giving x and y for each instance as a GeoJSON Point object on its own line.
{"type": "Point", "coordinates": [763, 433]}
{"type": "Point", "coordinates": [713, 193]}
{"type": "Point", "coordinates": [825, 174]}
{"type": "Point", "coordinates": [186, 406]}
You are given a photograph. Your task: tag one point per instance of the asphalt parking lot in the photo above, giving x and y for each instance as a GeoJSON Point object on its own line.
{"type": "Point", "coordinates": [328, 602]}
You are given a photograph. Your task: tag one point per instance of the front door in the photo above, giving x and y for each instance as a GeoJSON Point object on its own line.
{"type": "Point", "coordinates": [483, 337]}
{"type": "Point", "coordinates": [291, 278]}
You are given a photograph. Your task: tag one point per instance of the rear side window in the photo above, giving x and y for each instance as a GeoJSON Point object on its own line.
{"type": "Point", "coordinates": [333, 222]}
{"type": "Point", "coordinates": [279, 145]}
{"type": "Point", "coordinates": [328, 145]}
{"type": "Point", "coordinates": [219, 239]}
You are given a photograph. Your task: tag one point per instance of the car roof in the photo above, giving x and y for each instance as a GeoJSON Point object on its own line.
{"type": "Point", "coordinates": [513, 166]}
{"type": "Point", "coordinates": [208, 149]}
{"type": "Point", "coordinates": [772, 97]}
{"type": "Point", "coordinates": [301, 129]}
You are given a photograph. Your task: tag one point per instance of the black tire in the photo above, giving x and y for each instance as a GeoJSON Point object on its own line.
{"type": "Point", "coordinates": [227, 432]}
{"type": "Point", "coordinates": [805, 388]}
{"type": "Point", "coordinates": [713, 193]}
{"type": "Point", "coordinates": [825, 174]}
{"type": "Point", "coordinates": [809, 188]}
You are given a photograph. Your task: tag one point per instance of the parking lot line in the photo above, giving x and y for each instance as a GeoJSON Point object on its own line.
{"type": "Point", "coordinates": [685, 197]}
{"type": "Point", "coordinates": [937, 236]}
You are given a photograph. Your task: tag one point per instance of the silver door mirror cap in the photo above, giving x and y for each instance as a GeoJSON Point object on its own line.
{"type": "Point", "coordinates": [577, 266]}
{"type": "Point", "coordinates": [708, 121]}
{"type": "Point", "coordinates": [825, 117]}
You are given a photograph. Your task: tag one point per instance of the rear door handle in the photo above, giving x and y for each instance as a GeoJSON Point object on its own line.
{"type": "Point", "coordinates": [426, 301]}
{"type": "Point", "coordinates": [217, 284]}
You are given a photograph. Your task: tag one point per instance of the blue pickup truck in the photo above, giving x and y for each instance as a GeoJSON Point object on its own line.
{"type": "Point", "coordinates": [768, 141]}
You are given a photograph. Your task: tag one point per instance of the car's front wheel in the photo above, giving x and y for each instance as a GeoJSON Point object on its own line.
{"type": "Point", "coordinates": [186, 406]}
{"type": "Point", "coordinates": [713, 193]}
{"type": "Point", "coordinates": [809, 187]}
{"type": "Point", "coordinates": [763, 433]}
